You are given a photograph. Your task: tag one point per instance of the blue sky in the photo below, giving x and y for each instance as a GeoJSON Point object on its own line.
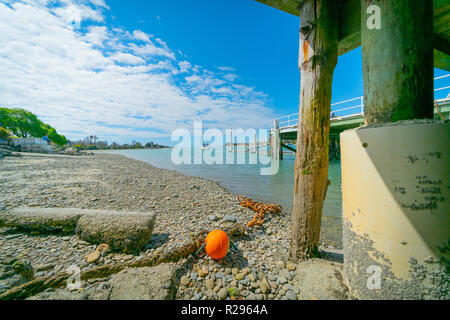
{"type": "Point", "coordinates": [260, 42]}
{"type": "Point", "coordinates": [136, 70]}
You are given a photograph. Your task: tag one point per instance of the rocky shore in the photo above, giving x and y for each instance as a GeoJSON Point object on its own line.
{"type": "Point", "coordinates": [183, 205]}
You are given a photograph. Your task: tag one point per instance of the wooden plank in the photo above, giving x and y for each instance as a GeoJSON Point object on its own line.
{"type": "Point", "coordinates": [288, 147]}
{"type": "Point", "coordinates": [350, 25]}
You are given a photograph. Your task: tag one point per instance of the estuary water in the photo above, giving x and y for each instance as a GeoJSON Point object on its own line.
{"type": "Point", "coordinates": [246, 179]}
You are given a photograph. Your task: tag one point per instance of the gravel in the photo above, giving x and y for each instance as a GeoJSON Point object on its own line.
{"type": "Point", "coordinates": [183, 205]}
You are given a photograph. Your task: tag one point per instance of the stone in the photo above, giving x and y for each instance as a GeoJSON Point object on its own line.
{"type": "Point", "coordinates": [122, 231]}
{"type": "Point", "coordinates": [264, 286]}
{"type": "Point", "coordinates": [185, 281]}
{"type": "Point", "coordinates": [44, 267]}
{"type": "Point", "coordinates": [282, 280]}
{"type": "Point", "coordinates": [320, 279]}
{"type": "Point", "coordinates": [223, 293]}
{"type": "Point", "coordinates": [43, 219]}
{"type": "Point", "coordinates": [209, 284]}
{"type": "Point", "coordinates": [24, 268]}
{"type": "Point", "coordinates": [290, 295]}
{"type": "Point", "coordinates": [229, 218]}
{"type": "Point", "coordinates": [202, 273]}
{"type": "Point", "coordinates": [239, 276]}
{"type": "Point", "coordinates": [93, 257]}
{"type": "Point", "coordinates": [5, 153]}
{"type": "Point", "coordinates": [12, 236]}
{"type": "Point", "coordinates": [245, 293]}
{"type": "Point", "coordinates": [281, 264]}
{"type": "Point", "coordinates": [285, 274]}
{"type": "Point", "coordinates": [234, 271]}
{"type": "Point", "coordinates": [233, 291]}
{"type": "Point", "coordinates": [103, 248]}
{"type": "Point", "coordinates": [273, 284]}
{"type": "Point", "coordinates": [212, 217]}
{"type": "Point", "coordinates": [291, 266]}
{"type": "Point", "coordinates": [128, 257]}
{"type": "Point", "coordinates": [148, 283]}
{"type": "Point", "coordinates": [198, 296]}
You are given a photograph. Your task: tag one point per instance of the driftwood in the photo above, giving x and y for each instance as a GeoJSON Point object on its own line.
{"type": "Point", "coordinates": [59, 281]}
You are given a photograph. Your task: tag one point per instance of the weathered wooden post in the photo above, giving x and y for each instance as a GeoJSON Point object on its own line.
{"type": "Point", "coordinates": [397, 57]}
{"type": "Point", "coordinates": [319, 28]}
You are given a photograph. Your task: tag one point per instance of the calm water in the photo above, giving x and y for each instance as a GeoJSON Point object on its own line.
{"type": "Point", "coordinates": [246, 180]}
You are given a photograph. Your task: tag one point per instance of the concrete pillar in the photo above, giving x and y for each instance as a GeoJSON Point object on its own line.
{"type": "Point", "coordinates": [231, 141]}
{"type": "Point", "coordinates": [276, 152]}
{"type": "Point", "coordinates": [396, 206]}
{"type": "Point", "coordinates": [397, 59]}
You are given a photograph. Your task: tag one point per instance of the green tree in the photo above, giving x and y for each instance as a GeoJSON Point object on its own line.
{"type": "Point", "coordinates": [25, 124]}
{"type": "Point", "coordinates": [4, 134]}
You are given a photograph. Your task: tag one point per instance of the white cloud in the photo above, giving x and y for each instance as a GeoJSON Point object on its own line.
{"type": "Point", "coordinates": [230, 76]}
{"type": "Point", "coordinates": [99, 3]}
{"type": "Point", "coordinates": [100, 81]}
{"type": "Point", "coordinates": [140, 35]}
{"type": "Point", "coordinates": [127, 58]}
{"type": "Point", "coordinates": [150, 49]}
{"type": "Point", "coordinates": [226, 69]}
{"type": "Point", "coordinates": [185, 66]}
{"type": "Point", "coordinates": [73, 11]}
{"type": "Point", "coordinates": [97, 35]}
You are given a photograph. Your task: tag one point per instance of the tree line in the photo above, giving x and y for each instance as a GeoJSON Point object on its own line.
{"type": "Point", "coordinates": [24, 124]}
{"type": "Point", "coordinates": [93, 143]}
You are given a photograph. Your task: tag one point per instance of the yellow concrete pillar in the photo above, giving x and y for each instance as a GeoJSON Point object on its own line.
{"type": "Point", "coordinates": [396, 210]}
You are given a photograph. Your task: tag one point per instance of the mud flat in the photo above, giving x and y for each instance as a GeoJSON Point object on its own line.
{"type": "Point", "coordinates": [183, 205]}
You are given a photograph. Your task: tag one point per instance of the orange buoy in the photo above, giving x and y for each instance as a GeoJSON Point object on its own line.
{"type": "Point", "coordinates": [217, 244]}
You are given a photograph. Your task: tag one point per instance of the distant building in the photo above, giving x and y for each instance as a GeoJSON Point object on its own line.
{"type": "Point", "coordinates": [33, 144]}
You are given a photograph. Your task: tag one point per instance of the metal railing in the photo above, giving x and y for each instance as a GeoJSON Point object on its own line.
{"type": "Point", "coordinates": [357, 110]}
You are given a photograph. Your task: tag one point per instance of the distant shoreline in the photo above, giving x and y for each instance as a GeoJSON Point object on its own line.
{"type": "Point", "coordinates": [97, 151]}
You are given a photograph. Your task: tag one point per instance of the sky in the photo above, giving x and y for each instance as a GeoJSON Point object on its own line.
{"type": "Point", "coordinates": [138, 69]}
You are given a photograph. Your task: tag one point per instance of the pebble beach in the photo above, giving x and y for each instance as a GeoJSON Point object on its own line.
{"type": "Point", "coordinates": [183, 205]}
